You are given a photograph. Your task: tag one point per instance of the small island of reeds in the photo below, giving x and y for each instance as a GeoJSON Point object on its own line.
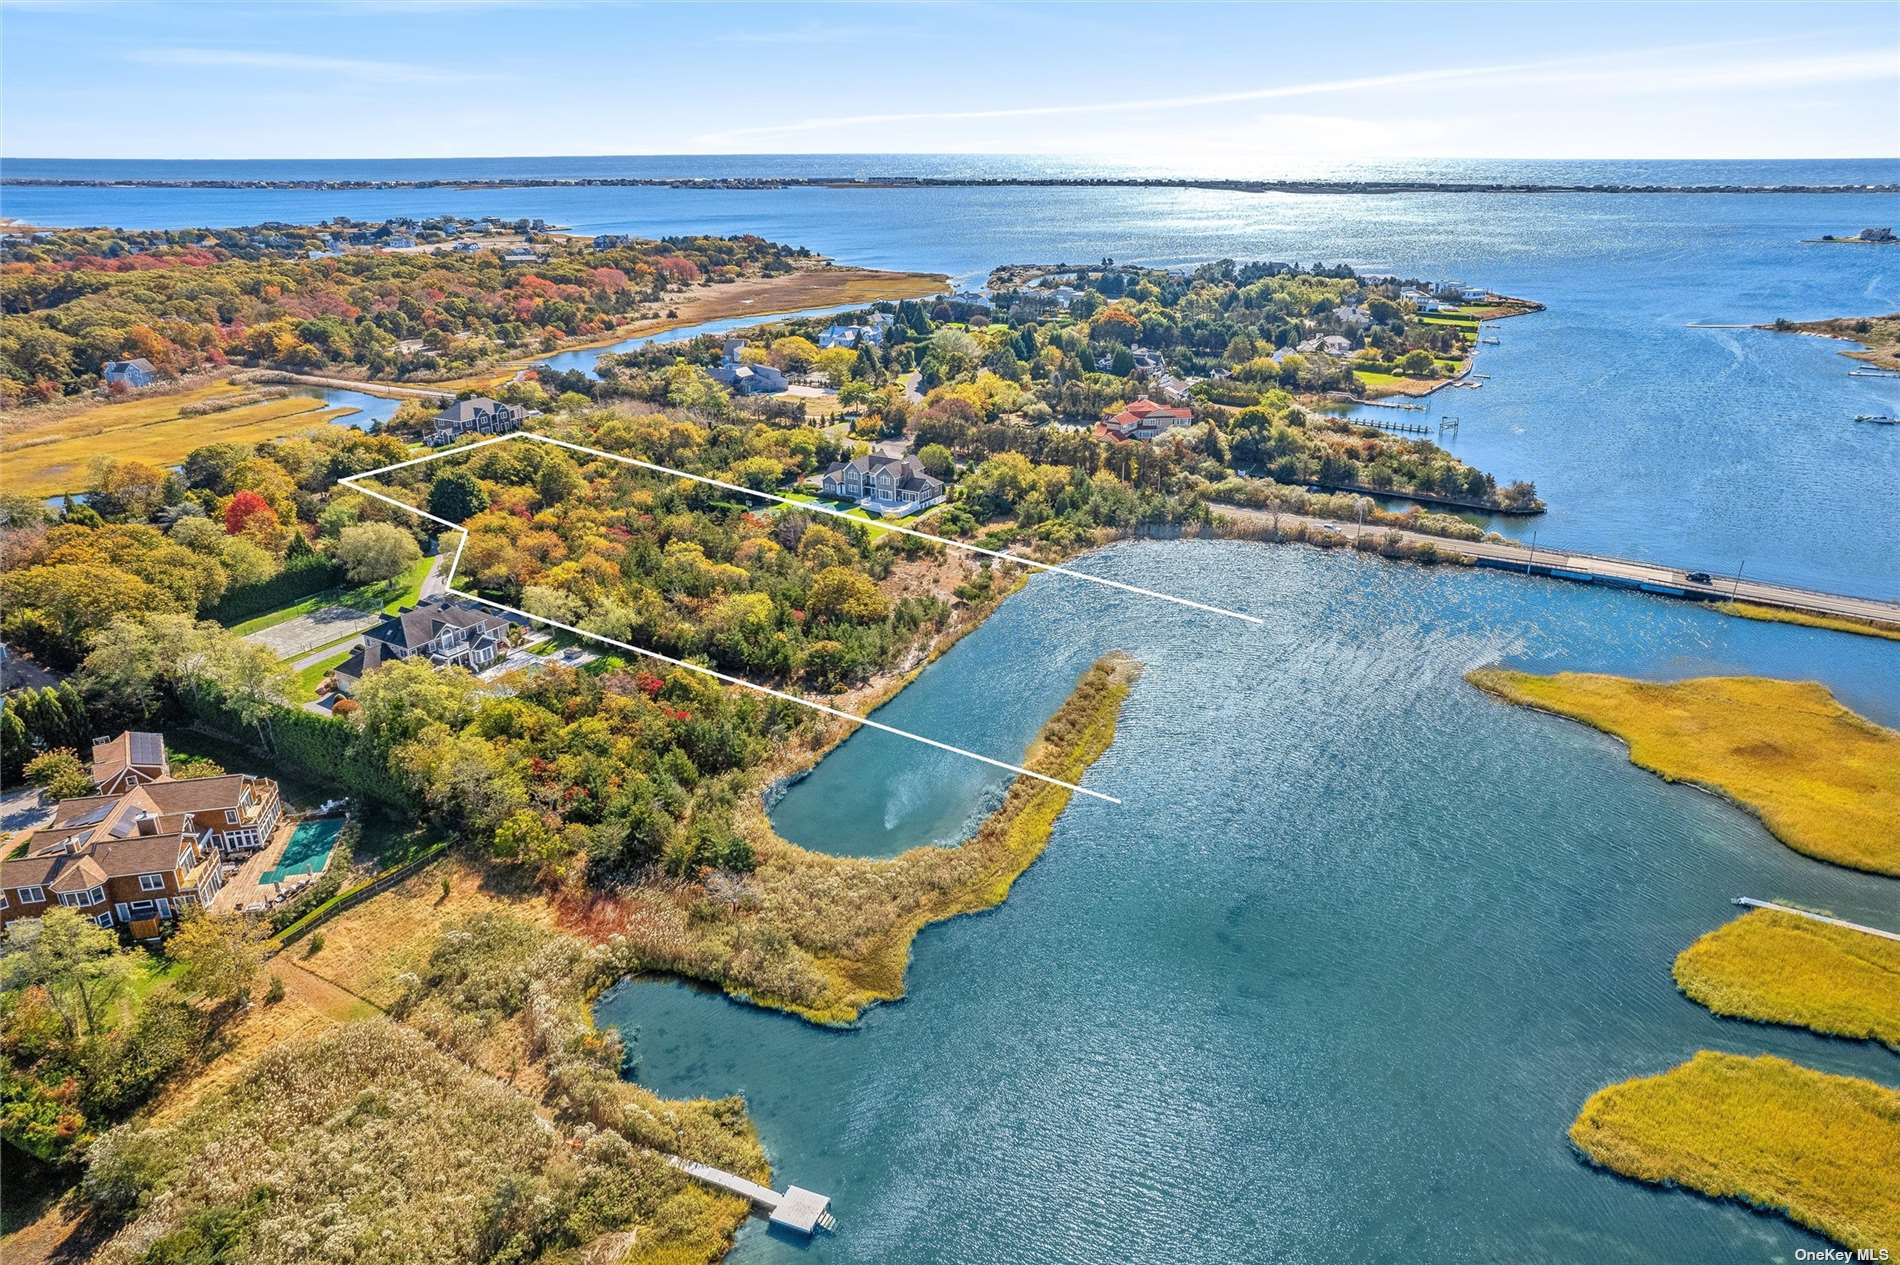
{"type": "Point", "coordinates": [1778, 967]}
{"type": "Point", "coordinates": [1824, 780]}
{"type": "Point", "coordinates": [1820, 1149]}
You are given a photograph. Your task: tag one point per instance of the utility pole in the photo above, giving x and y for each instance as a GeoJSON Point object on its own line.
{"type": "Point", "coordinates": [1737, 586]}
{"type": "Point", "coordinates": [1533, 557]}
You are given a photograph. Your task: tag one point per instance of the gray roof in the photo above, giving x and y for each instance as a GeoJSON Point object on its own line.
{"type": "Point", "coordinates": [426, 620]}
{"type": "Point", "coordinates": [908, 472]}
{"type": "Point", "coordinates": [468, 410]}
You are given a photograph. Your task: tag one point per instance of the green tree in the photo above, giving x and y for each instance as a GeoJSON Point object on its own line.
{"type": "Point", "coordinates": [457, 497]}
{"type": "Point", "coordinates": [371, 552]}
{"type": "Point", "coordinates": [936, 459]}
{"type": "Point", "coordinates": [75, 960]}
{"type": "Point", "coordinates": [60, 774]}
{"type": "Point", "coordinates": [219, 957]}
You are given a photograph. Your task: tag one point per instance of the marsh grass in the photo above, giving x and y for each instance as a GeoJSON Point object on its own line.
{"type": "Point", "coordinates": [1824, 780]}
{"type": "Point", "coordinates": [1834, 623]}
{"type": "Point", "coordinates": [48, 456]}
{"type": "Point", "coordinates": [1782, 968]}
{"type": "Point", "coordinates": [1820, 1149]}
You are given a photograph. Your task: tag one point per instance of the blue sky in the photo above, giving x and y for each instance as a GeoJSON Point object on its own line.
{"type": "Point", "coordinates": [1218, 88]}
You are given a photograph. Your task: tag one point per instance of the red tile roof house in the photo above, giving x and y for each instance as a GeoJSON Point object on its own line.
{"type": "Point", "coordinates": [145, 850]}
{"type": "Point", "coordinates": [1143, 419]}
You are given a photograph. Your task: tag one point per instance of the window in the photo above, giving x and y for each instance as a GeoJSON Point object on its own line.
{"type": "Point", "coordinates": [97, 896]}
{"type": "Point", "coordinates": [151, 882]}
{"type": "Point", "coordinates": [230, 815]}
{"type": "Point", "coordinates": [104, 920]}
{"type": "Point", "coordinates": [3, 900]}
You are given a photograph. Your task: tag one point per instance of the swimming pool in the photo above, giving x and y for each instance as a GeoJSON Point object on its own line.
{"type": "Point", "coordinates": [308, 850]}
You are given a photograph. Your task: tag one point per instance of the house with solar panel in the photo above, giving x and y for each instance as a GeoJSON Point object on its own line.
{"type": "Point", "coordinates": [143, 849]}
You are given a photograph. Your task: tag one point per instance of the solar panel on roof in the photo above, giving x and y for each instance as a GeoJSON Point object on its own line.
{"type": "Point", "coordinates": [148, 749]}
{"type": "Point", "coordinates": [94, 817]}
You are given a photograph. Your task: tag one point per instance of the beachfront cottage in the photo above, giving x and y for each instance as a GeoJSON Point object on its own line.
{"type": "Point", "coordinates": [141, 852]}
{"type": "Point", "coordinates": [477, 416]}
{"type": "Point", "coordinates": [737, 376]}
{"type": "Point", "coordinates": [446, 631]}
{"type": "Point", "coordinates": [132, 374]}
{"type": "Point", "coordinates": [886, 485]}
{"type": "Point", "coordinates": [1143, 419]}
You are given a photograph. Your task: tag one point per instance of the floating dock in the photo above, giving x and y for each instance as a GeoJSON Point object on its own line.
{"type": "Point", "coordinates": [805, 1211]}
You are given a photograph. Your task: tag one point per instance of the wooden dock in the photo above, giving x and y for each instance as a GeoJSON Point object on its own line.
{"type": "Point", "coordinates": [1553, 562]}
{"type": "Point", "coordinates": [805, 1211]}
{"type": "Point", "coordinates": [1397, 428]}
{"type": "Point", "coordinates": [1752, 903]}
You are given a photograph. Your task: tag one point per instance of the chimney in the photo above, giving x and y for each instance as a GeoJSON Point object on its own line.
{"type": "Point", "coordinates": [148, 825]}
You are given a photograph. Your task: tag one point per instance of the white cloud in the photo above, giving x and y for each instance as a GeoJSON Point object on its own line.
{"type": "Point", "coordinates": [301, 63]}
{"type": "Point", "coordinates": [1659, 70]}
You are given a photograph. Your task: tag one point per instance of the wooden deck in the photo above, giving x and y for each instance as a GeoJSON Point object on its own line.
{"type": "Point", "coordinates": [246, 888]}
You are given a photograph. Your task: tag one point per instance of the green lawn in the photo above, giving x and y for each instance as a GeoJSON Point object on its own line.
{"type": "Point", "coordinates": [388, 596]}
{"type": "Point", "coordinates": [305, 687]}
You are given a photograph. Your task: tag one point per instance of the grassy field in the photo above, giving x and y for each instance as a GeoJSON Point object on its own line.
{"type": "Point", "coordinates": [388, 596]}
{"type": "Point", "coordinates": [46, 458]}
{"type": "Point", "coordinates": [762, 297]}
{"type": "Point", "coordinates": [304, 688]}
{"type": "Point", "coordinates": [1820, 1149]}
{"type": "Point", "coordinates": [1835, 623]}
{"type": "Point", "coordinates": [1783, 968]}
{"type": "Point", "coordinates": [1825, 781]}
{"type": "Point", "coordinates": [1380, 384]}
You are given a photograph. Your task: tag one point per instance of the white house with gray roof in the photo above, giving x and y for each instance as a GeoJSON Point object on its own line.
{"type": "Point", "coordinates": [894, 486]}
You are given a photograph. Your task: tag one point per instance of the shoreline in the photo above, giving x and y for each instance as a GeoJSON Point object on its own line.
{"type": "Point", "coordinates": [754, 183]}
{"type": "Point", "coordinates": [1841, 329]}
{"type": "Point", "coordinates": [1804, 818]}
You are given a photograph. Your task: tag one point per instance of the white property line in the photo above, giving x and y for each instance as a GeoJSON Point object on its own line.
{"type": "Point", "coordinates": [350, 481]}
{"type": "Point", "coordinates": [1814, 917]}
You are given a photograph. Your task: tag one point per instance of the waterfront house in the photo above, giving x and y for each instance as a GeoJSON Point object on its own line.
{"type": "Point", "coordinates": [145, 849]}
{"type": "Point", "coordinates": [972, 297]}
{"type": "Point", "coordinates": [609, 241]}
{"type": "Point", "coordinates": [847, 336]}
{"type": "Point", "coordinates": [733, 373]}
{"type": "Point", "coordinates": [886, 485]}
{"type": "Point", "coordinates": [445, 630]}
{"type": "Point", "coordinates": [478, 415]}
{"type": "Point", "coordinates": [133, 374]}
{"type": "Point", "coordinates": [1143, 419]}
{"type": "Point", "coordinates": [1335, 345]}
{"type": "Point", "coordinates": [521, 255]}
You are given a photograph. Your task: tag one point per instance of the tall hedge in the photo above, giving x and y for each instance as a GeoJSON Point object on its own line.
{"type": "Point", "coordinates": [301, 576]}
{"type": "Point", "coordinates": [320, 748]}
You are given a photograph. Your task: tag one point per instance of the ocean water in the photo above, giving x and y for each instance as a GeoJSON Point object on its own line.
{"type": "Point", "coordinates": [1715, 449]}
{"type": "Point", "coordinates": [1333, 979]}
